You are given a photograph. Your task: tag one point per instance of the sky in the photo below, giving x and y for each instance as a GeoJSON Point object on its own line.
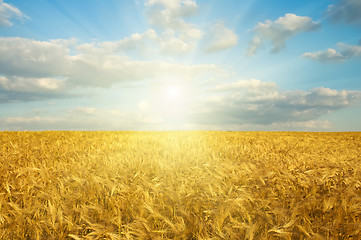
{"type": "Point", "coordinates": [255, 65]}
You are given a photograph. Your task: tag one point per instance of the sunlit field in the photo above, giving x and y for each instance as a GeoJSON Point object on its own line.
{"type": "Point", "coordinates": [180, 185]}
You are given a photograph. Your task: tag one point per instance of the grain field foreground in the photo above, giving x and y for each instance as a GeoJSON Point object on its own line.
{"type": "Point", "coordinates": [180, 185]}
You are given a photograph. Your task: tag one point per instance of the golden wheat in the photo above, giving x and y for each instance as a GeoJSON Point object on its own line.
{"type": "Point", "coordinates": [180, 185]}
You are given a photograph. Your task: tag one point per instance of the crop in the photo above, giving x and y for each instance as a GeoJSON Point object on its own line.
{"type": "Point", "coordinates": [180, 185]}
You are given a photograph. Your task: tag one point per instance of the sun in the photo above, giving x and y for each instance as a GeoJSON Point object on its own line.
{"type": "Point", "coordinates": [173, 93]}
{"type": "Point", "coordinates": [170, 104]}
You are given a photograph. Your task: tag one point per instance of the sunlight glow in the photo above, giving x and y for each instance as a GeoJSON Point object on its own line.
{"type": "Point", "coordinates": [173, 93]}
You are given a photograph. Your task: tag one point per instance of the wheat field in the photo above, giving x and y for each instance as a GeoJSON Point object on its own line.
{"type": "Point", "coordinates": [180, 185]}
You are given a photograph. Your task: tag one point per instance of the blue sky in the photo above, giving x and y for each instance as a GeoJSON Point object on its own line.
{"type": "Point", "coordinates": [180, 65]}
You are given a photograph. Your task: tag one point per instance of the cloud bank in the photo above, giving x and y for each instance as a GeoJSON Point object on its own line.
{"type": "Point", "coordinates": [258, 102]}
{"type": "Point", "coordinates": [39, 67]}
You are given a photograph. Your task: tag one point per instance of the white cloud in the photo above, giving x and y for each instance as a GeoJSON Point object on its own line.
{"type": "Point", "coordinates": [279, 31]}
{"type": "Point", "coordinates": [15, 88]}
{"type": "Point", "coordinates": [7, 12]}
{"type": "Point", "coordinates": [170, 13]}
{"type": "Point", "coordinates": [254, 45]}
{"type": "Point", "coordinates": [221, 38]}
{"type": "Point", "coordinates": [22, 84]}
{"type": "Point", "coordinates": [169, 16]}
{"type": "Point", "coordinates": [137, 42]}
{"type": "Point", "coordinates": [331, 55]}
{"type": "Point", "coordinates": [171, 44]}
{"type": "Point", "coordinates": [256, 102]}
{"type": "Point", "coordinates": [145, 44]}
{"type": "Point", "coordinates": [30, 58]}
{"type": "Point", "coordinates": [327, 56]}
{"type": "Point", "coordinates": [346, 10]}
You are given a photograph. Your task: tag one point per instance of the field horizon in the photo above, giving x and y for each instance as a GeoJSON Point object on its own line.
{"type": "Point", "coordinates": [174, 131]}
{"type": "Point", "coordinates": [180, 185]}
